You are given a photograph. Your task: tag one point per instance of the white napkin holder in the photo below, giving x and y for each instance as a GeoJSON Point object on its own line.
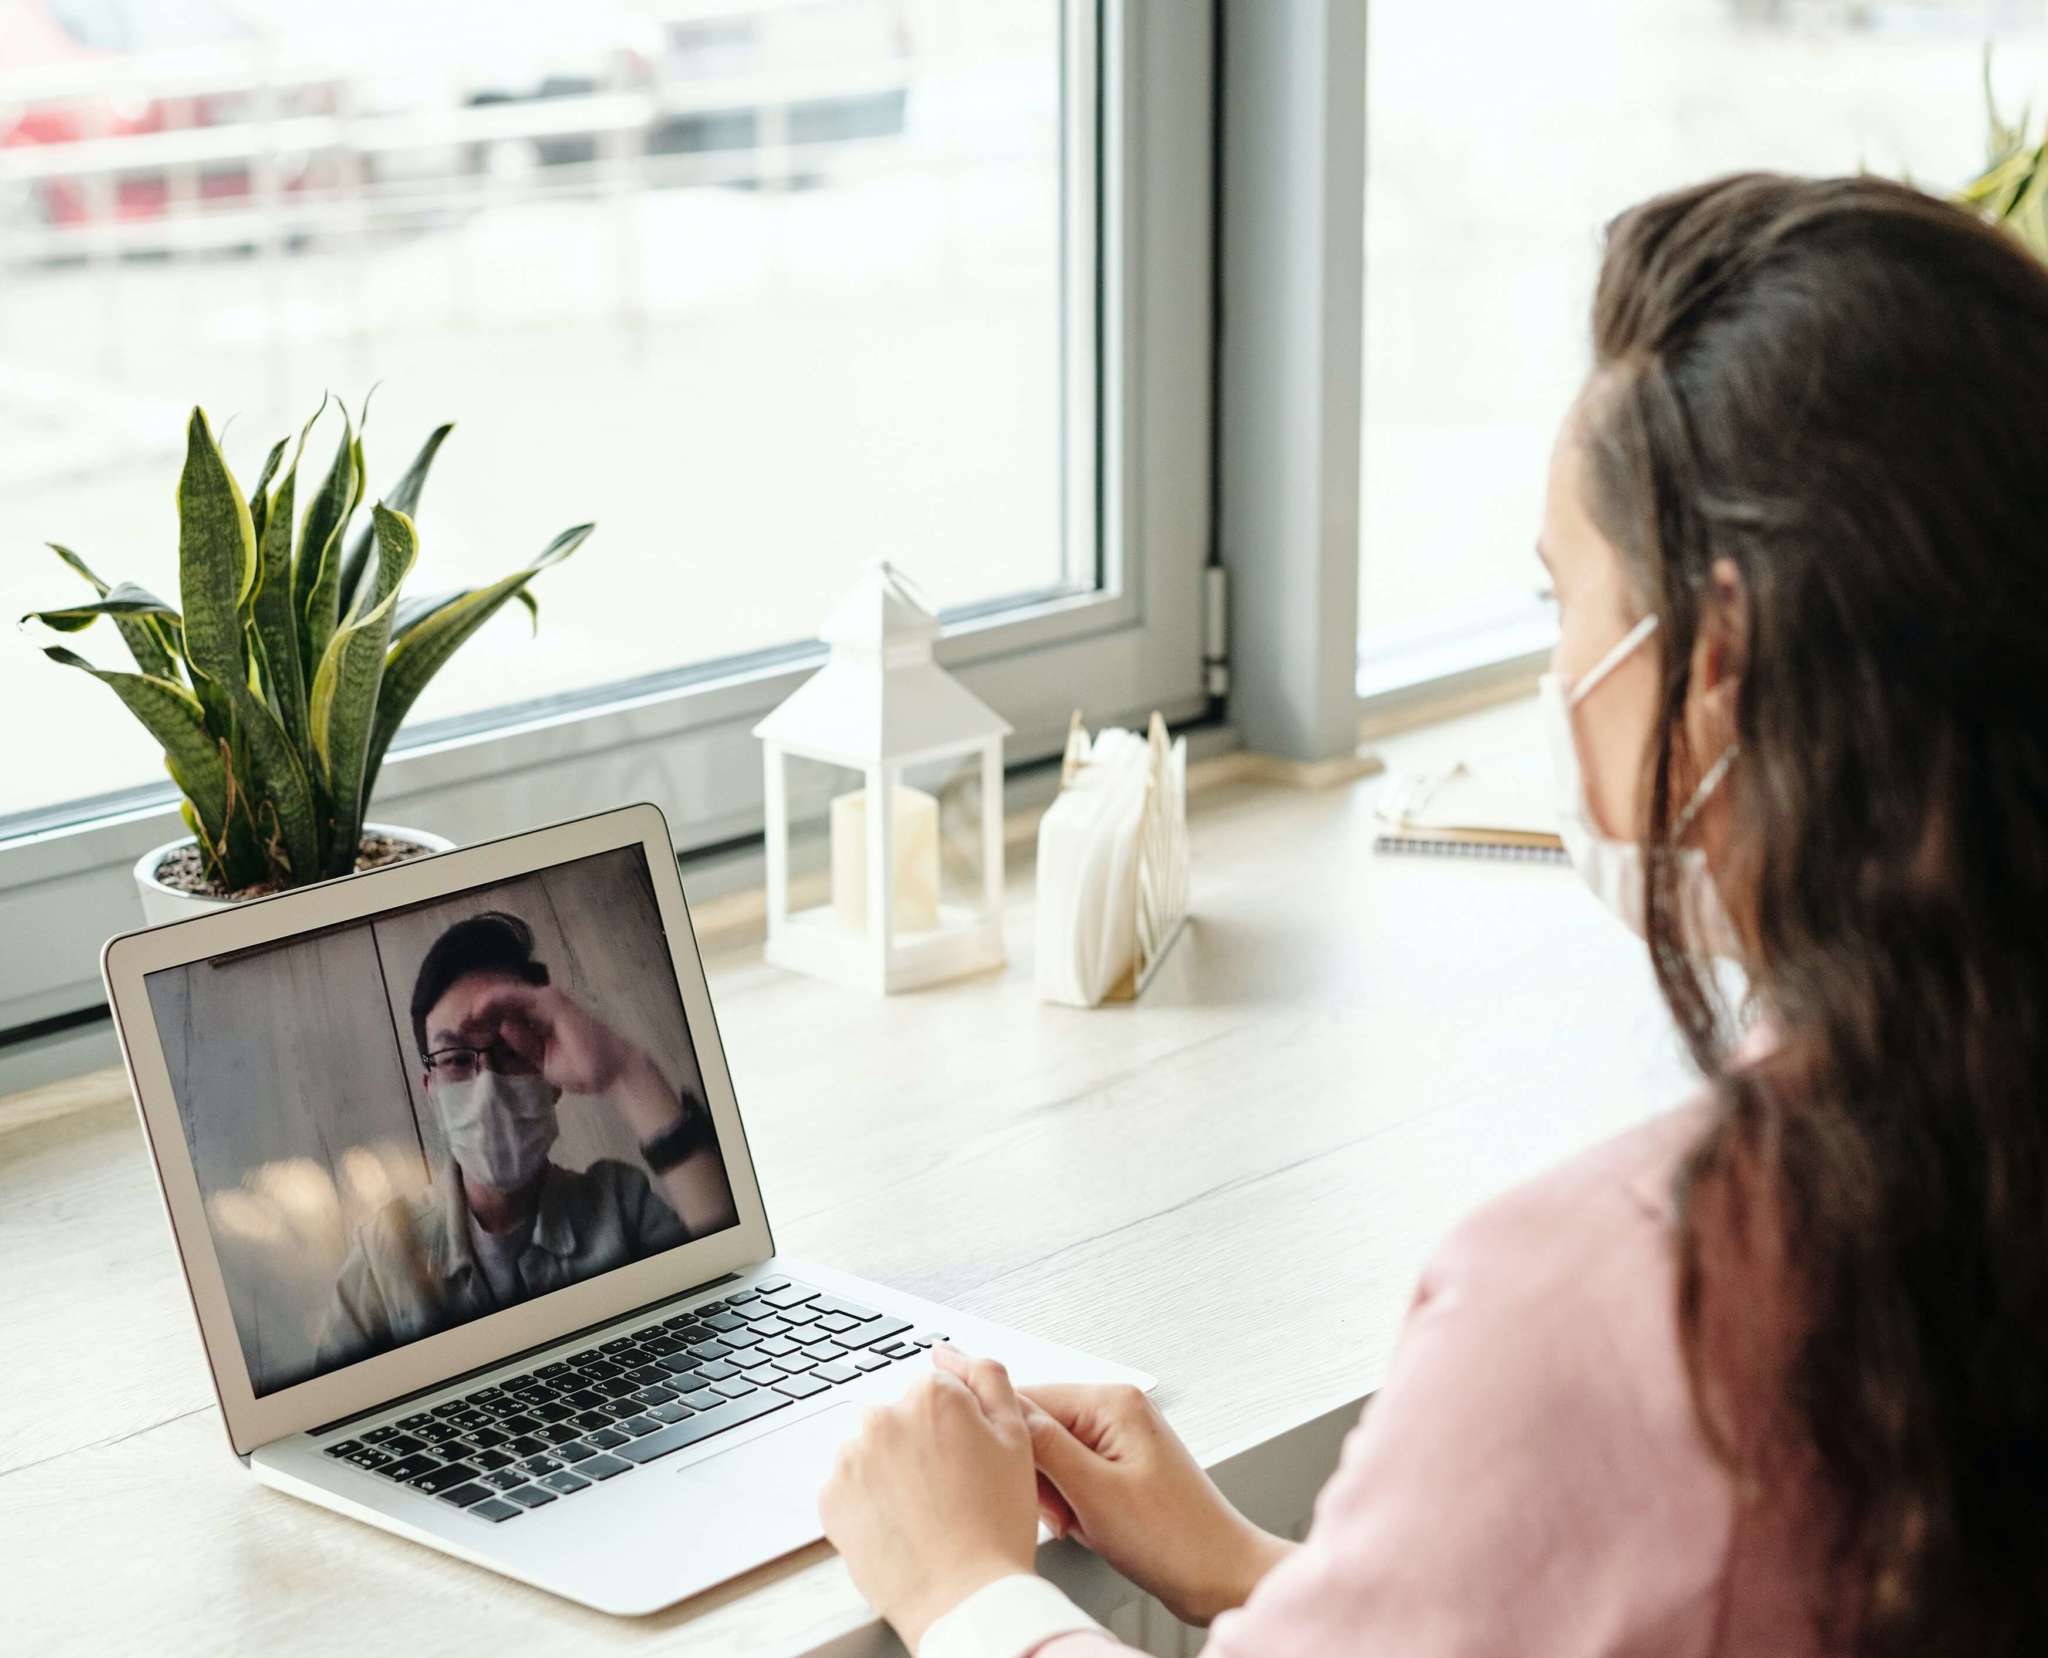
{"type": "Point", "coordinates": [1112, 865]}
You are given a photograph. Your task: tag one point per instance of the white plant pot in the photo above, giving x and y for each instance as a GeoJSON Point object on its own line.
{"type": "Point", "coordinates": [161, 904]}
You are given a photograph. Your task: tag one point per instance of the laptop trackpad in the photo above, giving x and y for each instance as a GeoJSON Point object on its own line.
{"type": "Point", "coordinates": [778, 1471]}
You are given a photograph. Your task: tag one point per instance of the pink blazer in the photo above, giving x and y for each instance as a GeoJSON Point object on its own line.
{"type": "Point", "coordinates": [1530, 1481]}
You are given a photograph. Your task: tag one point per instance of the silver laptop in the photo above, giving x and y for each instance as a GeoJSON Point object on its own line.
{"type": "Point", "coordinates": [464, 1201]}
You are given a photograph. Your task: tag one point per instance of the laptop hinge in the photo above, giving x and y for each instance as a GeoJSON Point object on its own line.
{"type": "Point", "coordinates": [513, 1358]}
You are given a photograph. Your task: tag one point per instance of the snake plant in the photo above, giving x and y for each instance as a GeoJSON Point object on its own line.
{"type": "Point", "coordinates": [277, 684]}
{"type": "Point", "coordinates": [2012, 190]}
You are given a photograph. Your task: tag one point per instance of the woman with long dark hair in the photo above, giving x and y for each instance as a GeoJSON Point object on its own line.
{"type": "Point", "coordinates": [1768, 1374]}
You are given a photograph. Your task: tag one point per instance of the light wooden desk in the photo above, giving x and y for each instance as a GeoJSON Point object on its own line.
{"type": "Point", "coordinates": [1232, 1184]}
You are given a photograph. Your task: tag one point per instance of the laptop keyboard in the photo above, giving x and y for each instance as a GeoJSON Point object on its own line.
{"type": "Point", "coordinates": [529, 1440]}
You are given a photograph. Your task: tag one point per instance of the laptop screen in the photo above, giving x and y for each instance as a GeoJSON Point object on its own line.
{"type": "Point", "coordinates": [430, 1114]}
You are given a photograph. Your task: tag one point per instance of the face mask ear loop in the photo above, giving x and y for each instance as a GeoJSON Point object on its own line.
{"type": "Point", "coordinates": [1624, 648]}
{"type": "Point", "coordinates": [1708, 784]}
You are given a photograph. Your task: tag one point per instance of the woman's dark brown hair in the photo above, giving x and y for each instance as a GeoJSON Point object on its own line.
{"type": "Point", "coordinates": [1840, 387]}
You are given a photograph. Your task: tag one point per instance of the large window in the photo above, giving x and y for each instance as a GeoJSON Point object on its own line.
{"type": "Point", "coordinates": [767, 288]}
{"type": "Point", "coordinates": [1500, 139]}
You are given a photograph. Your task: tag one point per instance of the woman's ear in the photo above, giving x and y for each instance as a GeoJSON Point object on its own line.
{"type": "Point", "coordinates": [1720, 652]}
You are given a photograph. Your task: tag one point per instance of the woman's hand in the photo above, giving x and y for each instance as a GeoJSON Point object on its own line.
{"type": "Point", "coordinates": [1114, 1476]}
{"type": "Point", "coordinates": [935, 1497]}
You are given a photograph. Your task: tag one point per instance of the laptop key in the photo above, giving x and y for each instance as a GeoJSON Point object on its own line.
{"type": "Point", "coordinates": [566, 1482]}
{"type": "Point", "coordinates": [775, 1347]}
{"type": "Point", "coordinates": [762, 1375]}
{"type": "Point", "coordinates": [794, 1363]}
{"type": "Point", "coordinates": [674, 1412]}
{"type": "Point", "coordinates": [789, 1295]}
{"type": "Point", "coordinates": [871, 1361]}
{"type": "Point", "coordinates": [505, 1479]}
{"type": "Point", "coordinates": [835, 1373]}
{"type": "Point", "coordinates": [380, 1436]}
{"type": "Point", "coordinates": [654, 1395]}
{"type": "Point", "coordinates": [530, 1496]}
{"type": "Point", "coordinates": [832, 1306]}
{"type": "Point", "coordinates": [733, 1387]}
{"type": "Point", "coordinates": [559, 1434]}
{"type": "Point", "coordinates": [763, 1285]}
{"type": "Point", "coordinates": [725, 1414]}
{"type": "Point", "coordinates": [800, 1387]}
{"type": "Point", "coordinates": [872, 1332]}
{"type": "Point", "coordinates": [741, 1339]}
{"type": "Point", "coordinates": [825, 1351]}
{"type": "Point", "coordinates": [436, 1480]}
{"type": "Point", "coordinates": [439, 1433]}
{"type": "Point", "coordinates": [738, 1297]}
{"type": "Point", "coordinates": [345, 1448]}
{"type": "Point", "coordinates": [463, 1495]}
{"type": "Point", "coordinates": [419, 1419]}
{"type": "Point", "coordinates": [559, 1368]}
{"type": "Point", "coordinates": [717, 1370]}
{"type": "Point", "coordinates": [725, 1321]}
{"type": "Point", "coordinates": [701, 1398]}
{"type": "Point", "coordinates": [497, 1510]}
{"type": "Point", "coordinates": [836, 1322]}
{"type": "Point", "coordinates": [539, 1465]}
{"type": "Point", "coordinates": [646, 1375]}
{"type": "Point", "coordinates": [637, 1425]}
{"type": "Point", "coordinates": [371, 1458]}
{"type": "Point", "coordinates": [575, 1451]}
{"type": "Point", "coordinates": [526, 1446]}
{"type": "Point", "coordinates": [590, 1421]}
{"type": "Point", "coordinates": [605, 1438]}
{"type": "Point", "coordinates": [603, 1468]}
{"type": "Point", "coordinates": [488, 1460]}
{"type": "Point", "coordinates": [679, 1364]}
{"type": "Point", "coordinates": [408, 1468]}
{"type": "Point", "coordinates": [709, 1350]}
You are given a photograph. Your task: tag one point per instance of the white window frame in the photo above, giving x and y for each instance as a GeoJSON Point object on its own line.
{"type": "Point", "coordinates": [1138, 77]}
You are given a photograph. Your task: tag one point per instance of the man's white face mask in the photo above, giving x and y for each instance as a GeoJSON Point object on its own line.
{"type": "Point", "coordinates": [1614, 868]}
{"type": "Point", "coordinates": [499, 1128]}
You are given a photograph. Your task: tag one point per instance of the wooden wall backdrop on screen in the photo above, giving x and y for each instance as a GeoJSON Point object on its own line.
{"type": "Point", "coordinates": [299, 1124]}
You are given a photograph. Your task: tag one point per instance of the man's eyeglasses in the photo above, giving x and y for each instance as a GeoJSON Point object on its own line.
{"type": "Point", "coordinates": [459, 1064]}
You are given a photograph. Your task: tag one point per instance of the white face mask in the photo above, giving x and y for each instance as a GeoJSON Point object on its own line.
{"type": "Point", "coordinates": [499, 1128]}
{"type": "Point", "coordinates": [1614, 868]}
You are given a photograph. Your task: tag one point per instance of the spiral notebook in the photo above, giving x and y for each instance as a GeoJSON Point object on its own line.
{"type": "Point", "coordinates": [1495, 809]}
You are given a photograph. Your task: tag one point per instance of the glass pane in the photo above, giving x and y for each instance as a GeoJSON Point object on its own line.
{"type": "Point", "coordinates": [1490, 170]}
{"type": "Point", "coordinates": [766, 288]}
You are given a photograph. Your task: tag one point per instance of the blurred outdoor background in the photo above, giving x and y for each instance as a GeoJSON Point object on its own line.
{"type": "Point", "coordinates": [771, 287]}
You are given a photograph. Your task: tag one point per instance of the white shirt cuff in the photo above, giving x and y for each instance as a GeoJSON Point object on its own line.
{"type": "Point", "coordinates": [1004, 1619]}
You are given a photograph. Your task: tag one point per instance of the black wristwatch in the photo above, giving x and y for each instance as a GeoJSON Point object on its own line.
{"type": "Point", "coordinates": [690, 1136]}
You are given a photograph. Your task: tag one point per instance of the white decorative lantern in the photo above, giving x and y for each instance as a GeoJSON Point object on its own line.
{"type": "Point", "coordinates": [880, 706]}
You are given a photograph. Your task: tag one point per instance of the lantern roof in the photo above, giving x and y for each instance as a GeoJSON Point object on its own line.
{"type": "Point", "coordinates": [881, 694]}
{"type": "Point", "coordinates": [884, 610]}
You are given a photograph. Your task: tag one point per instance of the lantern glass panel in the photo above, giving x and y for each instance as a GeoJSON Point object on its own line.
{"type": "Point", "coordinates": [955, 783]}
{"type": "Point", "coordinates": [815, 898]}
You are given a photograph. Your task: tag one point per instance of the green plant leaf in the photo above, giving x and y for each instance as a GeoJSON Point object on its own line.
{"type": "Point", "coordinates": [172, 715]}
{"type": "Point", "coordinates": [259, 497]}
{"type": "Point", "coordinates": [404, 496]}
{"type": "Point", "coordinates": [316, 573]}
{"type": "Point", "coordinates": [150, 644]}
{"type": "Point", "coordinates": [217, 565]}
{"type": "Point", "coordinates": [125, 600]}
{"type": "Point", "coordinates": [272, 620]}
{"type": "Point", "coordinates": [216, 556]}
{"type": "Point", "coordinates": [434, 637]}
{"type": "Point", "coordinates": [345, 689]}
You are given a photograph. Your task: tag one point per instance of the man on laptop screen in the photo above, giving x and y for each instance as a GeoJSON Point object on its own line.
{"type": "Point", "coordinates": [499, 1045]}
